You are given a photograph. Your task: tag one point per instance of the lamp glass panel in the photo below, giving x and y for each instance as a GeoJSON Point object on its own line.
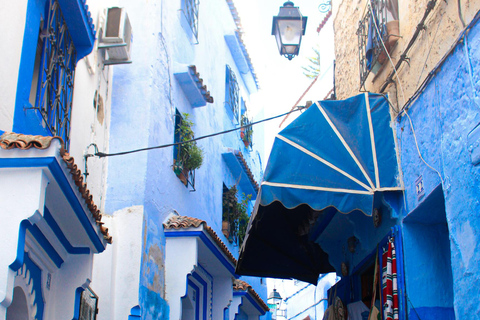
{"type": "Point", "coordinates": [290, 50]}
{"type": "Point", "coordinates": [290, 31]}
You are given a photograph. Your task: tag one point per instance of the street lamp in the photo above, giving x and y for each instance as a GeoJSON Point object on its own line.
{"type": "Point", "coordinates": [274, 300]}
{"type": "Point", "coordinates": [288, 28]}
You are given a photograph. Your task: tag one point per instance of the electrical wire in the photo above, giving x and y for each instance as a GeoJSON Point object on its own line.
{"type": "Point", "coordinates": [388, 55]}
{"type": "Point", "coordinates": [430, 6]}
{"type": "Point", "coordinates": [102, 154]}
{"type": "Point", "coordinates": [430, 50]}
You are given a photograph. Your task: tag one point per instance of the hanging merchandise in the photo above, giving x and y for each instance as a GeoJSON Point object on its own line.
{"type": "Point", "coordinates": [389, 282]}
{"type": "Point", "coordinates": [335, 310]}
{"type": "Point", "coordinates": [374, 313]}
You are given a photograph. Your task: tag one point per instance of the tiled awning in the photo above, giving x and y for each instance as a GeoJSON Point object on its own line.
{"type": "Point", "coordinates": [192, 85]}
{"type": "Point", "coordinates": [12, 141]}
{"type": "Point", "coordinates": [239, 168]}
{"type": "Point", "coordinates": [251, 298]}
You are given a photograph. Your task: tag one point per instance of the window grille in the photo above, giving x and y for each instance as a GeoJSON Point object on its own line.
{"type": "Point", "coordinates": [190, 10]}
{"type": "Point", "coordinates": [88, 305]}
{"type": "Point", "coordinates": [186, 176]}
{"type": "Point", "coordinates": [232, 93]}
{"type": "Point", "coordinates": [371, 32]}
{"type": "Point", "coordinates": [57, 74]}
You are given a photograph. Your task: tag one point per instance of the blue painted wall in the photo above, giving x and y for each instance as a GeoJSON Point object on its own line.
{"type": "Point", "coordinates": [443, 115]}
{"type": "Point", "coordinates": [26, 120]}
{"type": "Point", "coordinates": [145, 96]}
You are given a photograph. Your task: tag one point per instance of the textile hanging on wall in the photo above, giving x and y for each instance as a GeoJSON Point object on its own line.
{"type": "Point", "coordinates": [389, 282]}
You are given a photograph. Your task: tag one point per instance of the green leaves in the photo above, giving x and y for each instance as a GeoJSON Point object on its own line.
{"type": "Point", "coordinates": [312, 70]}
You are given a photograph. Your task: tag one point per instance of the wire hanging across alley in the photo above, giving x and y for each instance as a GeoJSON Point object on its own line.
{"type": "Point", "coordinates": [102, 154]}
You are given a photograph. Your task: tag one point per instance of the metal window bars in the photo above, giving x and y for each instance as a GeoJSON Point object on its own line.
{"type": "Point", "coordinates": [190, 10]}
{"type": "Point", "coordinates": [372, 30]}
{"type": "Point", "coordinates": [232, 96]}
{"type": "Point", "coordinates": [185, 175]}
{"type": "Point", "coordinates": [57, 74]}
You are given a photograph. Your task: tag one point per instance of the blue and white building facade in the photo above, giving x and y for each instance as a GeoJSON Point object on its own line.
{"type": "Point", "coordinates": [50, 222]}
{"type": "Point", "coordinates": [112, 76]}
{"type": "Point", "coordinates": [187, 58]}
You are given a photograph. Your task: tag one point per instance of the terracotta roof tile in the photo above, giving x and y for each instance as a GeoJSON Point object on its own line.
{"type": "Point", "coordinates": [10, 140]}
{"type": "Point", "coordinates": [324, 21]}
{"type": "Point", "coordinates": [183, 222]}
{"type": "Point", "coordinates": [249, 173]}
{"type": "Point", "coordinates": [240, 285]}
{"type": "Point", "coordinates": [200, 85]}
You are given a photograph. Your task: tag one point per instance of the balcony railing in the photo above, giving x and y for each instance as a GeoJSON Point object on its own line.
{"type": "Point", "coordinates": [375, 34]}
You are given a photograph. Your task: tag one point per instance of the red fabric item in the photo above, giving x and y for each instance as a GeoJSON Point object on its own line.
{"type": "Point", "coordinates": [389, 283]}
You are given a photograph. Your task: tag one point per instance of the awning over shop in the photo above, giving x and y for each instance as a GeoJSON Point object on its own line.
{"type": "Point", "coordinates": [334, 157]}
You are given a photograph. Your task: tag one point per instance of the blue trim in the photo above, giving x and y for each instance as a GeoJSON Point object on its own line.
{"type": "Point", "coordinates": [76, 308]}
{"type": "Point", "coordinates": [135, 313]}
{"type": "Point", "coordinates": [61, 236]}
{"type": "Point", "coordinates": [80, 25]}
{"type": "Point", "coordinates": [62, 180]}
{"type": "Point", "coordinates": [29, 121]}
{"type": "Point", "coordinates": [41, 239]}
{"type": "Point", "coordinates": [36, 275]}
{"type": "Point", "coordinates": [400, 273]}
{"type": "Point", "coordinates": [197, 305]}
{"type": "Point", "coordinates": [205, 287]}
{"type": "Point", "coordinates": [249, 298]}
{"type": "Point", "coordinates": [15, 265]}
{"type": "Point", "coordinates": [46, 245]}
{"type": "Point", "coordinates": [206, 240]}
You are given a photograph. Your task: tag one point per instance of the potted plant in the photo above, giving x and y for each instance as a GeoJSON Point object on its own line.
{"type": "Point", "coordinates": [190, 156]}
{"type": "Point", "coordinates": [235, 217]}
{"type": "Point", "coordinates": [246, 133]}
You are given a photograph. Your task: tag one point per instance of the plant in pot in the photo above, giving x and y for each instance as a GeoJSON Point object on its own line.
{"type": "Point", "coordinates": [235, 217]}
{"type": "Point", "coordinates": [246, 133]}
{"type": "Point", "coordinates": [190, 156]}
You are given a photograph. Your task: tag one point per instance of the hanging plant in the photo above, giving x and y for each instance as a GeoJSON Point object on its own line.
{"type": "Point", "coordinates": [235, 215]}
{"type": "Point", "coordinates": [246, 134]}
{"type": "Point", "coordinates": [190, 156]}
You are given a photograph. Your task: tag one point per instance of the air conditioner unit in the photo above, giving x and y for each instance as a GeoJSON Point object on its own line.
{"type": "Point", "coordinates": [117, 37]}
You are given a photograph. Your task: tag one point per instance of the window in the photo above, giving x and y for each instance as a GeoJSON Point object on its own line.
{"type": "Point", "coordinates": [56, 73]}
{"type": "Point", "coordinates": [235, 215]}
{"type": "Point", "coordinates": [187, 156]}
{"type": "Point", "coordinates": [379, 29]}
{"type": "Point", "coordinates": [190, 11]}
{"type": "Point", "coordinates": [232, 99]}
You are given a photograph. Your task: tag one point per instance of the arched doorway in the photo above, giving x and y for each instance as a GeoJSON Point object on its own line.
{"type": "Point", "coordinates": [18, 310]}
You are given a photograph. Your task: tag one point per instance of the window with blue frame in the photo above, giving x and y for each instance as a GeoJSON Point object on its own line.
{"type": "Point", "coordinates": [54, 74]}
{"type": "Point", "coordinates": [190, 10]}
{"type": "Point", "coordinates": [232, 94]}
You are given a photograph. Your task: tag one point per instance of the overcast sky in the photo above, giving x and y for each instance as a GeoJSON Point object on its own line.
{"type": "Point", "coordinates": [282, 82]}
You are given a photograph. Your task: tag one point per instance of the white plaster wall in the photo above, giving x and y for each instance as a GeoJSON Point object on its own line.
{"type": "Point", "coordinates": [223, 296]}
{"type": "Point", "coordinates": [89, 124]}
{"type": "Point", "coordinates": [180, 259]}
{"type": "Point", "coordinates": [302, 303]}
{"type": "Point", "coordinates": [442, 28]}
{"type": "Point", "coordinates": [75, 272]}
{"type": "Point", "coordinates": [12, 24]}
{"type": "Point", "coordinates": [16, 187]}
{"type": "Point", "coordinates": [116, 272]}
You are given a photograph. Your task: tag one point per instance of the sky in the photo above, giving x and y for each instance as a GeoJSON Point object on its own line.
{"type": "Point", "coordinates": [281, 81]}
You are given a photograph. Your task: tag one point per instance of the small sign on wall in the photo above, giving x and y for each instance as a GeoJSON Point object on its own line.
{"type": "Point", "coordinates": [419, 188]}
